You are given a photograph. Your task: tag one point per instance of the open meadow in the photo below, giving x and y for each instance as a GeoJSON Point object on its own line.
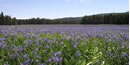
{"type": "Point", "coordinates": [64, 45]}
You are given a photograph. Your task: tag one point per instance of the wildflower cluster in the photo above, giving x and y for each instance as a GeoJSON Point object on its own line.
{"type": "Point", "coordinates": [42, 47]}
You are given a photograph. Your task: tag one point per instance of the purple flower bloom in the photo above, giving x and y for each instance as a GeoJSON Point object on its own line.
{"type": "Point", "coordinates": [25, 56]}
{"type": "Point", "coordinates": [35, 36]}
{"type": "Point", "coordinates": [57, 53]}
{"type": "Point", "coordinates": [73, 42]}
{"type": "Point", "coordinates": [2, 44]}
{"type": "Point", "coordinates": [124, 43]}
{"type": "Point", "coordinates": [75, 46]}
{"type": "Point", "coordinates": [43, 64]}
{"type": "Point", "coordinates": [79, 38]}
{"type": "Point", "coordinates": [13, 47]}
{"type": "Point", "coordinates": [56, 43]}
{"type": "Point", "coordinates": [36, 49]}
{"type": "Point", "coordinates": [48, 46]}
{"type": "Point", "coordinates": [30, 61]}
{"type": "Point", "coordinates": [50, 41]}
{"type": "Point", "coordinates": [124, 54]}
{"type": "Point", "coordinates": [57, 59]}
{"type": "Point", "coordinates": [49, 60]}
{"type": "Point", "coordinates": [78, 53]}
{"type": "Point", "coordinates": [45, 39]}
{"type": "Point", "coordinates": [24, 63]}
{"type": "Point", "coordinates": [110, 54]}
{"type": "Point", "coordinates": [63, 38]}
{"type": "Point", "coordinates": [20, 48]}
{"type": "Point", "coordinates": [71, 34]}
{"type": "Point", "coordinates": [2, 39]}
{"type": "Point", "coordinates": [54, 38]}
{"type": "Point", "coordinates": [38, 56]}
{"type": "Point", "coordinates": [60, 59]}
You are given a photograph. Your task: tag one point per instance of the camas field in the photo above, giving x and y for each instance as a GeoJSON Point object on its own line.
{"type": "Point", "coordinates": [64, 45]}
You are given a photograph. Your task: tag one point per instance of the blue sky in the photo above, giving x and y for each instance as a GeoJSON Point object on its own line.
{"type": "Point", "coordinates": [23, 9]}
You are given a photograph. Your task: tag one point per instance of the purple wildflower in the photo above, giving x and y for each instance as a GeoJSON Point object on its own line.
{"type": "Point", "coordinates": [54, 38]}
{"type": "Point", "coordinates": [78, 53]}
{"type": "Point", "coordinates": [57, 59]}
{"type": "Point", "coordinates": [38, 56]}
{"type": "Point", "coordinates": [2, 44]}
{"type": "Point", "coordinates": [56, 43]}
{"type": "Point", "coordinates": [47, 46]}
{"type": "Point", "coordinates": [13, 47]}
{"type": "Point", "coordinates": [45, 39]}
{"type": "Point", "coordinates": [57, 53]}
{"type": "Point", "coordinates": [49, 60]}
{"type": "Point", "coordinates": [30, 61]}
{"type": "Point", "coordinates": [75, 46]}
{"type": "Point", "coordinates": [20, 48]}
{"type": "Point", "coordinates": [110, 54]}
{"type": "Point", "coordinates": [124, 54]}
{"type": "Point", "coordinates": [24, 63]}
{"type": "Point", "coordinates": [25, 56]}
{"type": "Point", "coordinates": [37, 49]}
{"type": "Point", "coordinates": [50, 41]}
{"type": "Point", "coordinates": [43, 64]}
{"type": "Point", "coordinates": [2, 39]}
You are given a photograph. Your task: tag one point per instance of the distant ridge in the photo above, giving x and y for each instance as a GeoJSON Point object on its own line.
{"type": "Point", "coordinates": [105, 18]}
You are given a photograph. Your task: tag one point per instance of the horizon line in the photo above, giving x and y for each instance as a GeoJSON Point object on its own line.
{"type": "Point", "coordinates": [66, 16]}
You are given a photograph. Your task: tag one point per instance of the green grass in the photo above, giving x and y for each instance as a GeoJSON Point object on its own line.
{"type": "Point", "coordinates": [94, 51]}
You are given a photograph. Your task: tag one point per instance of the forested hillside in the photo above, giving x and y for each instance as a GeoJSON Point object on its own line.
{"type": "Point", "coordinates": [111, 18]}
{"type": "Point", "coordinates": [108, 18]}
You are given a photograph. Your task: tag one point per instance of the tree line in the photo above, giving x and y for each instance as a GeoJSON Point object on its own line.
{"type": "Point", "coordinates": [111, 18]}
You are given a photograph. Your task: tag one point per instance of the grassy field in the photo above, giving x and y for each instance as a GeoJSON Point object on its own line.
{"type": "Point", "coordinates": [36, 46]}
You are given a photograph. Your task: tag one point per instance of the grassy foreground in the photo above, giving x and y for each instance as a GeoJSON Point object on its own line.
{"type": "Point", "coordinates": [20, 48]}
